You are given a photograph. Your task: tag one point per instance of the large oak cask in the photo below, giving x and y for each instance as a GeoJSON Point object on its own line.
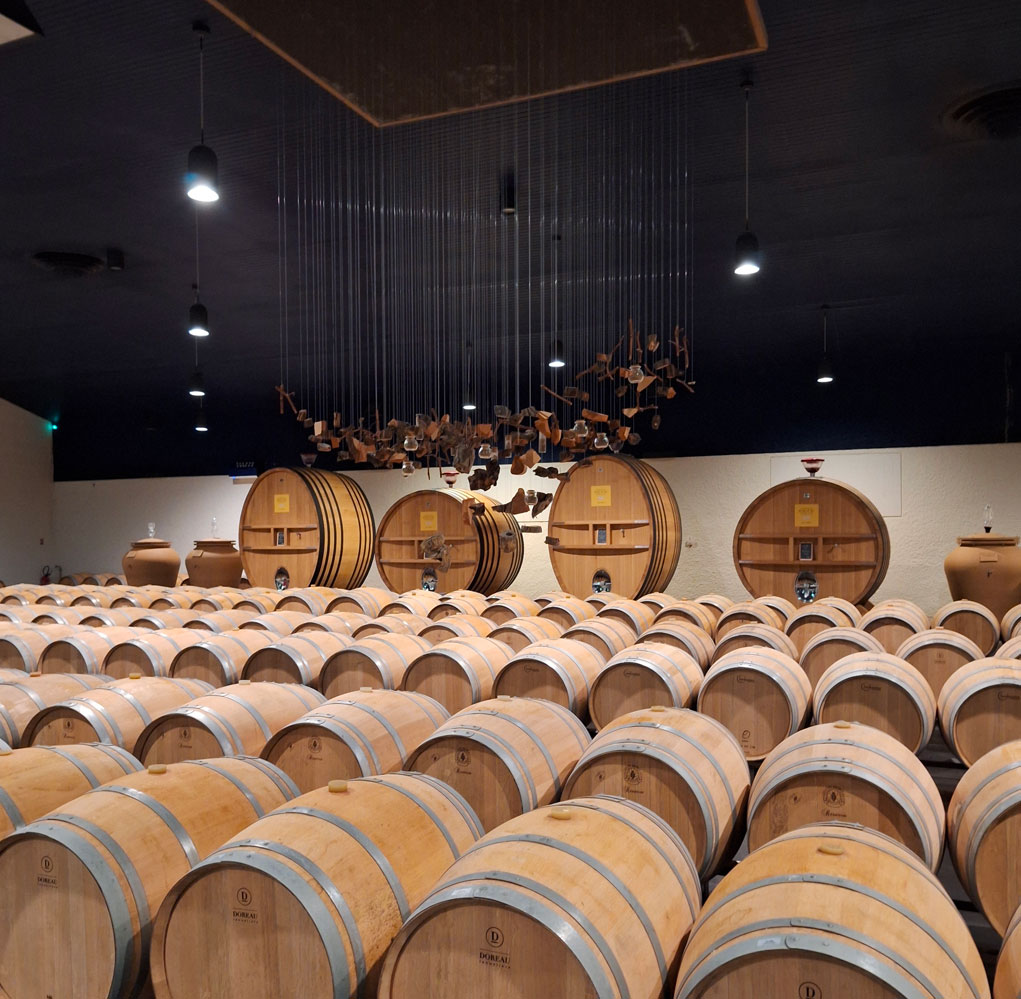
{"type": "Point", "coordinates": [614, 524]}
{"type": "Point", "coordinates": [306, 527]}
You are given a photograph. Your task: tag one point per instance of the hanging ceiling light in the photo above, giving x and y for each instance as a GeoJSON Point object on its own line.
{"type": "Point", "coordinates": [200, 420]}
{"type": "Point", "coordinates": [747, 259]}
{"type": "Point", "coordinates": [197, 384]}
{"type": "Point", "coordinates": [825, 375]}
{"type": "Point", "coordinates": [198, 317]}
{"type": "Point", "coordinates": [556, 357]}
{"type": "Point", "coordinates": [203, 172]}
{"type": "Point", "coordinates": [468, 407]}
{"type": "Point", "coordinates": [509, 194]}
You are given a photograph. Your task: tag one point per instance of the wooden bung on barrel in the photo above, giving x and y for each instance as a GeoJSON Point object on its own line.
{"type": "Point", "coordinates": [684, 766]}
{"type": "Point", "coordinates": [641, 676]}
{"type": "Point", "coordinates": [233, 721]}
{"type": "Point", "coordinates": [847, 772]}
{"type": "Point", "coordinates": [980, 707]}
{"type": "Point", "coordinates": [108, 859]}
{"type": "Point", "coordinates": [458, 672]}
{"type": "Point", "coordinates": [114, 714]}
{"type": "Point", "coordinates": [378, 661]}
{"type": "Point", "coordinates": [881, 690]}
{"type": "Point", "coordinates": [39, 779]}
{"type": "Point", "coordinates": [448, 539]}
{"type": "Point", "coordinates": [596, 895]}
{"type": "Point", "coordinates": [505, 756]}
{"type": "Point", "coordinates": [762, 696]}
{"type": "Point", "coordinates": [614, 525]}
{"type": "Point", "coordinates": [23, 695]}
{"type": "Point", "coordinates": [830, 911]}
{"type": "Point", "coordinates": [810, 538]}
{"type": "Point", "coordinates": [341, 867]}
{"type": "Point", "coordinates": [560, 670]}
{"type": "Point", "coordinates": [304, 527]}
{"type": "Point", "coordinates": [219, 659]}
{"type": "Point", "coordinates": [359, 734]}
{"type": "Point", "coordinates": [984, 827]}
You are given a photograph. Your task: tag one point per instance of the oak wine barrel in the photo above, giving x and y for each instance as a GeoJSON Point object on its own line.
{"type": "Point", "coordinates": [561, 670]}
{"type": "Point", "coordinates": [972, 619]}
{"type": "Point", "coordinates": [980, 707]}
{"type": "Point", "coordinates": [24, 695]}
{"type": "Point", "coordinates": [459, 672]}
{"type": "Point", "coordinates": [376, 661]}
{"type": "Point", "coordinates": [823, 649]}
{"type": "Point", "coordinates": [219, 659]}
{"type": "Point", "coordinates": [683, 635]}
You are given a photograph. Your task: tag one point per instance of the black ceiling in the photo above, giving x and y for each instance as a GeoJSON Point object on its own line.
{"type": "Point", "coordinates": [860, 197]}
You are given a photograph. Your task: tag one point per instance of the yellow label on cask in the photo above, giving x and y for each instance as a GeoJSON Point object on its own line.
{"type": "Point", "coordinates": [600, 496]}
{"type": "Point", "coordinates": [428, 520]}
{"type": "Point", "coordinates": [806, 514]}
{"type": "Point", "coordinates": [281, 502]}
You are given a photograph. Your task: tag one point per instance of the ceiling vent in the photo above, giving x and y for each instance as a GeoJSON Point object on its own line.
{"type": "Point", "coordinates": [68, 264]}
{"type": "Point", "coordinates": [993, 113]}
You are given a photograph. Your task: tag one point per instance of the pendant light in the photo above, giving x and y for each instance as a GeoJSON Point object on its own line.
{"type": "Point", "coordinates": [747, 258]}
{"type": "Point", "coordinates": [556, 357]}
{"type": "Point", "coordinates": [825, 375]}
{"type": "Point", "coordinates": [196, 384]}
{"type": "Point", "coordinates": [509, 194]}
{"type": "Point", "coordinates": [201, 425]}
{"type": "Point", "coordinates": [203, 173]}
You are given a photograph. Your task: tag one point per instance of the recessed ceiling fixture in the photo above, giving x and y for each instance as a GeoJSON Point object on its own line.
{"type": "Point", "coordinates": [747, 259]}
{"type": "Point", "coordinates": [203, 170]}
{"type": "Point", "coordinates": [825, 374]}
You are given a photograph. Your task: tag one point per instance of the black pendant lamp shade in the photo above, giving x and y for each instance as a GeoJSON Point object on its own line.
{"type": "Point", "coordinates": [197, 384]}
{"type": "Point", "coordinates": [202, 174]}
{"type": "Point", "coordinates": [748, 257]}
{"type": "Point", "coordinates": [556, 357]}
{"type": "Point", "coordinates": [198, 320]}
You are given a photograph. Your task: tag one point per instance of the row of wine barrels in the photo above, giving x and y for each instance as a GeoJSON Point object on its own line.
{"type": "Point", "coordinates": [482, 546]}
{"type": "Point", "coordinates": [342, 867]}
{"type": "Point", "coordinates": [831, 910]}
{"type": "Point", "coordinates": [614, 524]}
{"type": "Point", "coordinates": [457, 626]}
{"type": "Point", "coordinates": [220, 658]}
{"type": "Point", "coordinates": [150, 654]}
{"type": "Point", "coordinates": [394, 624]}
{"type": "Point", "coordinates": [592, 897]}
{"type": "Point", "coordinates": [83, 651]}
{"type": "Point", "coordinates": [107, 860]}
{"type": "Point", "coordinates": [36, 780]}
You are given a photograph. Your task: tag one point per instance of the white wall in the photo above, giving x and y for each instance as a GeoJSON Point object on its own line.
{"type": "Point", "coordinates": [26, 494]}
{"type": "Point", "coordinates": [940, 490]}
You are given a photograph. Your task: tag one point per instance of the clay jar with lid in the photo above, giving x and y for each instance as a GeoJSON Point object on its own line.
{"type": "Point", "coordinates": [214, 562]}
{"type": "Point", "coordinates": [151, 561]}
{"type": "Point", "coordinates": [985, 568]}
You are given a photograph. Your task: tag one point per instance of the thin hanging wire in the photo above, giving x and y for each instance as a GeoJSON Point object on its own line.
{"type": "Point", "coordinates": [747, 93]}
{"type": "Point", "coordinates": [202, 90]}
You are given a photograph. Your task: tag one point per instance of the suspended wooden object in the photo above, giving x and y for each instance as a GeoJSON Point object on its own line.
{"type": "Point", "coordinates": [810, 538]}
{"type": "Point", "coordinates": [393, 62]}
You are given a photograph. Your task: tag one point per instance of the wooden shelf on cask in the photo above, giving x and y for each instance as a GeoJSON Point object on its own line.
{"type": "Point", "coordinates": [278, 548]}
{"type": "Point", "coordinates": [802, 537]}
{"type": "Point", "coordinates": [463, 563]}
{"type": "Point", "coordinates": [421, 537]}
{"type": "Point", "coordinates": [592, 524]}
{"type": "Point", "coordinates": [776, 563]}
{"type": "Point", "coordinates": [271, 527]}
{"type": "Point", "coordinates": [587, 549]}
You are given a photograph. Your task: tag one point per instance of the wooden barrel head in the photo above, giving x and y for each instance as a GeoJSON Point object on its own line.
{"type": "Point", "coordinates": [485, 547]}
{"type": "Point", "coordinates": [307, 527]}
{"type": "Point", "coordinates": [615, 525]}
{"type": "Point", "coordinates": [972, 620]}
{"type": "Point", "coordinates": [809, 538]}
